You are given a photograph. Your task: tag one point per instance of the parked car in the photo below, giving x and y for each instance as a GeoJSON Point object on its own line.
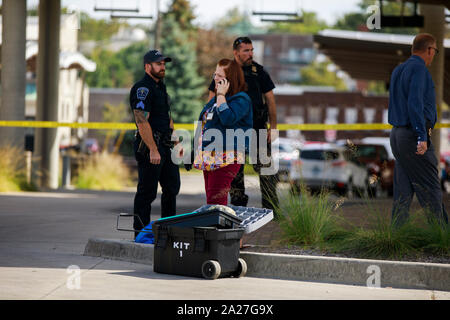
{"type": "Point", "coordinates": [287, 153]}
{"type": "Point", "coordinates": [329, 166]}
{"type": "Point", "coordinates": [382, 141]}
{"type": "Point", "coordinates": [380, 168]}
{"type": "Point", "coordinates": [90, 146]}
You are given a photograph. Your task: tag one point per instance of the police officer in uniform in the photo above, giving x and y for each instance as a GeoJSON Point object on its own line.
{"type": "Point", "coordinates": [149, 102]}
{"type": "Point", "coordinates": [260, 90]}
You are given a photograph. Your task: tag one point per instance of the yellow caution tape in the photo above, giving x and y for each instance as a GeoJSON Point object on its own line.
{"type": "Point", "coordinates": [188, 126]}
{"type": "Point", "coordinates": [75, 125]}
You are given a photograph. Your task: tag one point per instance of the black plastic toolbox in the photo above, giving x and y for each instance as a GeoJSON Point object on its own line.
{"type": "Point", "coordinates": [206, 252]}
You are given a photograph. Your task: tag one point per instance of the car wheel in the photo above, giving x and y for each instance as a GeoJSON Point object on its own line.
{"type": "Point", "coordinates": [374, 191]}
{"type": "Point", "coordinates": [391, 191]}
{"type": "Point", "coordinates": [350, 189]}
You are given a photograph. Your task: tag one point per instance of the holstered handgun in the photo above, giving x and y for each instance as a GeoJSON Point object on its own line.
{"type": "Point", "coordinates": [160, 138]}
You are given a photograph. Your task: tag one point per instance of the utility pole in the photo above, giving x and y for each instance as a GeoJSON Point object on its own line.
{"type": "Point", "coordinates": [158, 26]}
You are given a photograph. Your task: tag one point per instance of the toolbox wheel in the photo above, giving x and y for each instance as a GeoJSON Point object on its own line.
{"type": "Point", "coordinates": [242, 268]}
{"type": "Point", "coordinates": [211, 269]}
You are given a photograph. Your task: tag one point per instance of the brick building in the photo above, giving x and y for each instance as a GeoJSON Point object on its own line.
{"type": "Point", "coordinates": [284, 54]}
{"type": "Point", "coordinates": [327, 106]}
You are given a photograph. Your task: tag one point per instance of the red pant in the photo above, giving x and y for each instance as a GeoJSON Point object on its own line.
{"type": "Point", "coordinates": [218, 183]}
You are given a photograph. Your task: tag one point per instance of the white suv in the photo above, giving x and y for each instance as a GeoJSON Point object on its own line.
{"type": "Point", "coordinates": [327, 165]}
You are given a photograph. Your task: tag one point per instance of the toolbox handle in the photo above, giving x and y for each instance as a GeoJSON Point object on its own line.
{"type": "Point", "coordinates": [122, 214]}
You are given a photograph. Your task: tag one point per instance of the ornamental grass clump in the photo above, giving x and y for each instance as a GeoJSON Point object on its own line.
{"type": "Point", "coordinates": [309, 220]}
{"type": "Point", "coordinates": [13, 170]}
{"type": "Point", "coordinates": [437, 238]}
{"type": "Point", "coordinates": [383, 238]}
{"type": "Point", "coordinates": [103, 171]}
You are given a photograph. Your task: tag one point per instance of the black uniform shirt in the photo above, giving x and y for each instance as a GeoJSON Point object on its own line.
{"type": "Point", "coordinates": [151, 96]}
{"type": "Point", "coordinates": [259, 83]}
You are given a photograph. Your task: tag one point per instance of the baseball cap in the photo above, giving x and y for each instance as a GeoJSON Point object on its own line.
{"type": "Point", "coordinates": [155, 56]}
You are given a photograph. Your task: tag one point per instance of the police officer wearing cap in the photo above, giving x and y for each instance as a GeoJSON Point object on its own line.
{"type": "Point", "coordinates": [260, 90]}
{"type": "Point", "coordinates": [149, 102]}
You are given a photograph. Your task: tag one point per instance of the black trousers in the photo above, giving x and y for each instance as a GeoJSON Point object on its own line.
{"type": "Point", "coordinates": [267, 184]}
{"type": "Point", "coordinates": [415, 174]}
{"type": "Point", "coordinates": [167, 174]}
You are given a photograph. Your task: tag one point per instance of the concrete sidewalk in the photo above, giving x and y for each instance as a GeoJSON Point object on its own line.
{"type": "Point", "coordinates": [43, 237]}
{"type": "Point", "coordinates": [361, 272]}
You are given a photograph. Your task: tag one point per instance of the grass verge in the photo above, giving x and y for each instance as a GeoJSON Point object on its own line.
{"type": "Point", "coordinates": [312, 222]}
{"type": "Point", "coordinates": [103, 171]}
{"type": "Point", "coordinates": [13, 170]}
{"type": "Point", "coordinates": [309, 220]}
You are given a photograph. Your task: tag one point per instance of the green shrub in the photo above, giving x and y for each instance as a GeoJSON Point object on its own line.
{"type": "Point", "coordinates": [12, 170]}
{"type": "Point", "coordinates": [103, 171]}
{"type": "Point", "coordinates": [437, 238]}
{"type": "Point", "coordinates": [384, 241]}
{"type": "Point", "coordinates": [311, 221]}
{"type": "Point", "coordinates": [308, 219]}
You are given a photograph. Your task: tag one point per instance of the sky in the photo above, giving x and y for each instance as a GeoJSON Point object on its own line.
{"type": "Point", "coordinates": [208, 11]}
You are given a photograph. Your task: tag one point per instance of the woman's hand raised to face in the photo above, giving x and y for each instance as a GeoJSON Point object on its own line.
{"type": "Point", "coordinates": [222, 87]}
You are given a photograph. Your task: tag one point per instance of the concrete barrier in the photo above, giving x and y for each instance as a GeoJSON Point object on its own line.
{"type": "Point", "coordinates": [361, 272]}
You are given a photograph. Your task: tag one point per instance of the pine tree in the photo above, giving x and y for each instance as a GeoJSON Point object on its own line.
{"type": "Point", "coordinates": [184, 85]}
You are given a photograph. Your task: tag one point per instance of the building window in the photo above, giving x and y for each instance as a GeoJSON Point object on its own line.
{"type": "Point", "coordinates": [385, 118]}
{"type": "Point", "coordinates": [369, 115]}
{"type": "Point", "coordinates": [290, 74]}
{"type": "Point", "coordinates": [351, 115]}
{"type": "Point", "coordinates": [281, 113]}
{"type": "Point", "coordinates": [332, 115]}
{"type": "Point", "coordinates": [314, 115]}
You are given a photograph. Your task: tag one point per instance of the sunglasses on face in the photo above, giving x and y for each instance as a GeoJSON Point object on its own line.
{"type": "Point", "coordinates": [240, 40]}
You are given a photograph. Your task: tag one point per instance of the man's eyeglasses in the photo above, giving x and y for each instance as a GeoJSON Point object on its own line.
{"type": "Point", "coordinates": [435, 49]}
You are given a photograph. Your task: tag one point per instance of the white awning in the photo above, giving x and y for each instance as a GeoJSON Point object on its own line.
{"type": "Point", "coordinates": [67, 60]}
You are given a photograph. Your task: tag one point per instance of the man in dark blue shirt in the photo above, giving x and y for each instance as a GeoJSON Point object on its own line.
{"type": "Point", "coordinates": [412, 113]}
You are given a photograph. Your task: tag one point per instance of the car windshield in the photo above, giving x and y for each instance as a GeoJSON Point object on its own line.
{"type": "Point", "coordinates": [286, 148]}
{"type": "Point", "coordinates": [319, 154]}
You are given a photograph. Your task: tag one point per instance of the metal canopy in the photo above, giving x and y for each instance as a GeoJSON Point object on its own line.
{"type": "Point", "coordinates": [373, 56]}
{"type": "Point", "coordinates": [445, 3]}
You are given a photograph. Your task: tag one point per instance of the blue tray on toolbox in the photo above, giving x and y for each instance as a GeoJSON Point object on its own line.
{"type": "Point", "coordinates": [218, 216]}
{"type": "Point", "coordinates": [252, 218]}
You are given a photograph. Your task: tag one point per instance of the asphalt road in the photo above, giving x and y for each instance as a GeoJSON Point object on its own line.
{"type": "Point", "coordinates": [43, 236]}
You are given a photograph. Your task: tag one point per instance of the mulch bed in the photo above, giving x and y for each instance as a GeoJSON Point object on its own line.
{"type": "Point", "coordinates": [268, 238]}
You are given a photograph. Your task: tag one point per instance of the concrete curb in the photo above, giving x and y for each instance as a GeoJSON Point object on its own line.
{"type": "Point", "coordinates": [125, 250]}
{"type": "Point", "coordinates": [361, 272]}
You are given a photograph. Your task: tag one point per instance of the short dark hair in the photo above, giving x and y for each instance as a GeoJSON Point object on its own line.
{"type": "Point", "coordinates": [238, 41]}
{"type": "Point", "coordinates": [422, 42]}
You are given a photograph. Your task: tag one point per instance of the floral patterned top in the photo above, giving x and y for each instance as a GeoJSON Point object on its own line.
{"type": "Point", "coordinates": [213, 160]}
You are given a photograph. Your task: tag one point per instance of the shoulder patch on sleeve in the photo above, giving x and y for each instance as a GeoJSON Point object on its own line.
{"type": "Point", "coordinates": [140, 105]}
{"type": "Point", "coordinates": [142, 93]}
